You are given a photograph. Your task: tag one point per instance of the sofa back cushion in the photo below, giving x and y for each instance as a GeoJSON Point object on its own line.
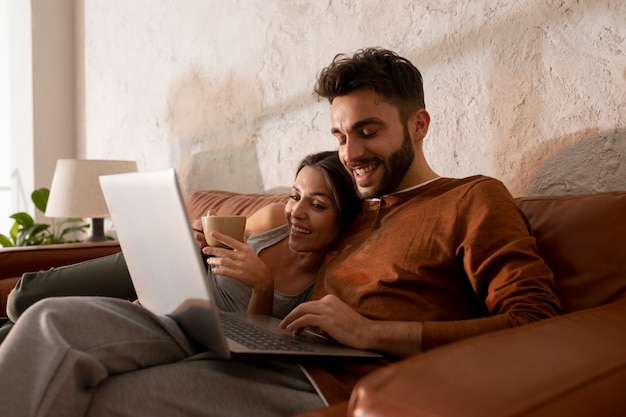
{"type": "Point", "coordinates": [583, 240]}
{"type": "Point", "coordinates": [229, 203]}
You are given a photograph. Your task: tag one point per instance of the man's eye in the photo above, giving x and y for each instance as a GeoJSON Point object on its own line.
{"type": "Point", "coordinates": [341, 140]}
{"type": "Point", "coordinates": [368, 133]}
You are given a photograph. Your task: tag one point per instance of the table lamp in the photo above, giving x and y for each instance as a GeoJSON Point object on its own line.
{"type": "Point", "coordinates": [75, 191]}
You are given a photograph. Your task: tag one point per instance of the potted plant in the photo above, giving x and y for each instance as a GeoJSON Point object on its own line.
{"type": "Point", "coordinates": [25, 232]}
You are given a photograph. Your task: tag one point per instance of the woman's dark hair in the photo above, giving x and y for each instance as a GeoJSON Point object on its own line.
{"type": "Point", "coordinates": [395, 78]}
{"type": "Point", "coordinates": [338, 181]}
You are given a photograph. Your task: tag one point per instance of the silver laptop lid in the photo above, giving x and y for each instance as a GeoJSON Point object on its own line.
{"type": "Point", "coordinates": [162, 256]}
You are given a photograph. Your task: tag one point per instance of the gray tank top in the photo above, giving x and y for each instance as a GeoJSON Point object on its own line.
{"type": "Point", "coordinates": [232, 295]}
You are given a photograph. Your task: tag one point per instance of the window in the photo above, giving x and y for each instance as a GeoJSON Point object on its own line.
{"type": "Point", "coordinates": [6, 206]}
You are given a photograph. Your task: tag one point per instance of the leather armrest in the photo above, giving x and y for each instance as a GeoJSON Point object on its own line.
{"type": "Point", "coordinates": [18, 260]}
{"type": "Point", "coordinates": [570, 365]}
{"type": "Point", "coordinates": [6, 285]}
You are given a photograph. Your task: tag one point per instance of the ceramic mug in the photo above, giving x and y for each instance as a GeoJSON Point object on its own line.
{"type": "Point", "coordinates": [233, 226]}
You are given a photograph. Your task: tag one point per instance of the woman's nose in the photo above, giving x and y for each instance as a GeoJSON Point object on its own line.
{"type": "Point", "coordinates": [297, 209]}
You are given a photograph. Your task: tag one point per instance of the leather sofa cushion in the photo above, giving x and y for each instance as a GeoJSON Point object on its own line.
{"type": "Point", "coordinates": [229, 203]}
{"type": "Point", "coordinates": [571, 365]}
{"type": "Point", "coordinates": [583, 240]}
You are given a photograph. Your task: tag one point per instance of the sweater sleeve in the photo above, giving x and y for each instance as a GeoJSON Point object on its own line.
{"type": "Point", "coordinates": [500, 257]}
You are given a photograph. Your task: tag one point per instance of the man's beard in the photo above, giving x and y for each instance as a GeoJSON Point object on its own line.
{"type": "Point", "coordinates": [394, 169]}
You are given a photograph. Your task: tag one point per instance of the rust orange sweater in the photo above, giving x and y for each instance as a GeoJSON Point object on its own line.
{"type": "Point", "coordinates": [455, 254]}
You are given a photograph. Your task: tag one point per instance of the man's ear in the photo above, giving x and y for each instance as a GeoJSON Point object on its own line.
{"type": "Point", "coordinates": [419, 123]}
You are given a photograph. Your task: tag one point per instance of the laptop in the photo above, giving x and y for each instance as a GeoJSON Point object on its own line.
{"type": "Point", "coordinates": [170, 276]}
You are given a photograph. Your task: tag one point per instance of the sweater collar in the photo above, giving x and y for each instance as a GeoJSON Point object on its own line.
{"type": "Point", "coordinates": [406, 190]}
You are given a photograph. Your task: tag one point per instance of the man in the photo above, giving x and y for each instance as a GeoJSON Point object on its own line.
{"type": "Point", "coordinates": [428, 251]}
{"type": "Point", "coordinates": [429, 260]}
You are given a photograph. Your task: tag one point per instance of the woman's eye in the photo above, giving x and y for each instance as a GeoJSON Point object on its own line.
{"type": "Point", "coordinates": [294, 197]}
{"type": "Point", "coordinates": [318, 206]}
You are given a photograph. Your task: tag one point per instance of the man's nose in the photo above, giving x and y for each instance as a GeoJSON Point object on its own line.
{"type": "Point", "coordinates": [352, 150]}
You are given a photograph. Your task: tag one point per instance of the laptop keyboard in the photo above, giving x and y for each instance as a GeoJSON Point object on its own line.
{"type": "Point", "coordinates": [254, 337]}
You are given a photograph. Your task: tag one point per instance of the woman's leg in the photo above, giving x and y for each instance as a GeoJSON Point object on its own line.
{"type": "Point", "coordinates": [62, 348]}
{"type": "Point", "coordinates": [204, 387]}
{"type": "Point", "coordinates": [107, 276]}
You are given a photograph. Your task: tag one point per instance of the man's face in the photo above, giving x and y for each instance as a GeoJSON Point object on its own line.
{"type": "Point", "coordinates": [374, 145]}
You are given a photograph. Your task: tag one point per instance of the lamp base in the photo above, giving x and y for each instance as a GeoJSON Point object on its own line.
{"type": "Point", "coordinates": [97, 230]}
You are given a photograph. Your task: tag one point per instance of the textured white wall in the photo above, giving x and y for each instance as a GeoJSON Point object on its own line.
{"type": "Point", "coordinates": [532, 92]}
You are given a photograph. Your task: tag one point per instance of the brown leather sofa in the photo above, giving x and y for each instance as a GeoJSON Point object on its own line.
{"type": "Point", "coordinates": [572, 365]}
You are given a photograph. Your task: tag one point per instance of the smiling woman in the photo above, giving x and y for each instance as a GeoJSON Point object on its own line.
{"type": "Point", "coordinates": [275, 271]}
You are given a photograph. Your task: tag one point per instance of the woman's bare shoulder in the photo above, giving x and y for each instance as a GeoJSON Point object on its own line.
{"type": "Point", "coordinates": [266, 218]}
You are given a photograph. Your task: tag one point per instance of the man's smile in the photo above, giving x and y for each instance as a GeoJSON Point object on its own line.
{"type": "Point", "coordinates": [364, 170]}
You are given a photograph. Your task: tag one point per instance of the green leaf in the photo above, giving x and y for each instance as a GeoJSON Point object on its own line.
{"type": "Point", "coordinates": [80, 228]}
{"type": "Point", "coordinates": [23, 219]}
{"type": "Point", "coordinates": [51, 239]}
{"type": "Point", "coordinates": [31, 235]}
{"type": "Point", "coordinates": [5, 241]}
{"type": "Point", "coordinates": [40, 198]}
{"type": "Point", "coordinates": [14, 231]}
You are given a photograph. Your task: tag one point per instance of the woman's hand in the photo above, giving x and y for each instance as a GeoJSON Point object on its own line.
{"type": "Point", "coordinates": [198, 233]}
{"type": "Point", "coordinates": [242, 264]}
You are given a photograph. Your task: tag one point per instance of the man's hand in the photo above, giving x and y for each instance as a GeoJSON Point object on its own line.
{"type": "Point", "coordinates": [335, 318]}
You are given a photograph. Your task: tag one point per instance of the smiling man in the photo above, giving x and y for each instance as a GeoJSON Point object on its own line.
{"type": "Point", "coordinates": [430, 260]}
{"type": "Point", "coordinates": [376, 146]}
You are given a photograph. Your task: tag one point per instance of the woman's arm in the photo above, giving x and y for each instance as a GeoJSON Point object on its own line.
{"type": "Point", "coordinates": [244, 265]}
{"type": "Point", "coordinates": [106, 276]}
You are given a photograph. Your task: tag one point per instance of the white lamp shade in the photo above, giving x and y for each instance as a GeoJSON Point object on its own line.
{"type": "Point", "coordinates": [75, 189]}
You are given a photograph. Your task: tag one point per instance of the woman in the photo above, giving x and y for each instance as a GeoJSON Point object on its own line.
{"type": "Point", "coordinates": [276, 269]}
{"type": "Point", "coordinates": [271, 273]}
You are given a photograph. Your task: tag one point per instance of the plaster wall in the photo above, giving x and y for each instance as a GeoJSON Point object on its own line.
{"type": "Point", "coordinates": [532, 92]}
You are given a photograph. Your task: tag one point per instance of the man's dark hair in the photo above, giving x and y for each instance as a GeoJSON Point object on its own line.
{"type": "Point", "coordinates": [393, 77]}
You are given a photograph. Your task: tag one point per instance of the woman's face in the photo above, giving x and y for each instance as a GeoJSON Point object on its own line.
{"type": "Point", "coordinates": [312, 214]}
